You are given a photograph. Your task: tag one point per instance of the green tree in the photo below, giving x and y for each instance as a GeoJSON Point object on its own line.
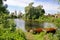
{"type": "Point", "coordinates": [3, 7]}
{"type": "Point", "coordinates": [34, 12]}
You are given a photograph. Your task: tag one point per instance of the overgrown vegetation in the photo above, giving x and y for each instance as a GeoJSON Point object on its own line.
{"type": "Point", "coordinates": [44, 36]}
{"type": "Point", "coordinates": [8, 29]}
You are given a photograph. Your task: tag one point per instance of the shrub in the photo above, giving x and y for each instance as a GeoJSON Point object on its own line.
{"type": "Point", "coordinates": [8, 29]}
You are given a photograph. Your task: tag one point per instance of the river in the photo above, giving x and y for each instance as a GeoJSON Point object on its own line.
{"type": "Point", "coordinates": [20, 23]}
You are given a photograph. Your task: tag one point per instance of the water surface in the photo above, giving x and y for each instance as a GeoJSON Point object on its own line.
{"type": "Point", "coordinates": [20, 23]}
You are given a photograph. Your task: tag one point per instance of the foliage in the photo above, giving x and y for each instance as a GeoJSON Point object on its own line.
{"type": "Point", "coordinates": [57, 22]}
{"type": "Point", "coordinates": [50, 19]}
{"type": "Point", "coordinates": [3, 7]}
{"type": "Point", "coordinates": [6, 34]}
{"type": "Point", "coordinates": [39, 36]}
{"type": "Point", "coordinates": [8, 29]}
{"type": "Point", "coordinates": [52, 37]}
{"type": "Point", "coordinates": [34, 12]}
{"type": "Point", "coordinates": [13, 16]}
{"type": "Point", "coordinates": [44, 36]}
{"type": "Point", "coordinates": [58, 33]}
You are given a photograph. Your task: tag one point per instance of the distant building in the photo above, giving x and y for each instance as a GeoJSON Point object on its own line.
{"type": "Point", "coordinates": [50, 15]}
{"type": "Point", "coordinates": [57, 15]}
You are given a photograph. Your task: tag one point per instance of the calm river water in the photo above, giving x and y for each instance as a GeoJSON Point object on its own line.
{"type": "Point", "coordinates": [20, 23]}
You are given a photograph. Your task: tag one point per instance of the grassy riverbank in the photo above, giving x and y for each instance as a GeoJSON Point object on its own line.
{"type": "Point", "coordinates": [42, 36]}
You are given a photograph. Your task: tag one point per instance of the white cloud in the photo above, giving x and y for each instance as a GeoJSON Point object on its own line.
{"type": "Point", "coordinates": [20, 3]}
{"type": "Point", "coordinates": [47, 6]}
{"type": "Point", "coordinates": [23, 3]}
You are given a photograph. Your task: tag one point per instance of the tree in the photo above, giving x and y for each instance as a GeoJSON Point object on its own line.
{"type": "Point", "coordinates": [34, 12]}
{"type": "Point", "coordinates": [3, 7]}
{"type": "Point", "coordinates": [58, 0]}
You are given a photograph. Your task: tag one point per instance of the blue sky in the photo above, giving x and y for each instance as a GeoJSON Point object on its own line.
{"type": "Point", "coordinates": [50, 6]}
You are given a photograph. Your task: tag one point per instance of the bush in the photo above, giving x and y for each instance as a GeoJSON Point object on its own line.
{"type": "Point", "coordinates": [8, 35]}
{"type": "Point", "coordinates": [39, 36]}
{"type": "Point", "coordinates": [44, 36]}
{"type": "Point", "coordinates": [8, 29]}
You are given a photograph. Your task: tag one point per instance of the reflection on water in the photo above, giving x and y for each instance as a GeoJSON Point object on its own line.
{"type": "Point", "coordinates": [32, 24]}
{"type": "Point", "coordinates": [20, 23]}
{"type": "Point", "coordinates": [47, 24]}
{"type": "Point", "coordinates": [36, 24]}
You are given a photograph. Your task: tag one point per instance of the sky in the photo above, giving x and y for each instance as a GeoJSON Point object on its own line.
{"type": "Point", "coordinates": [50, 6]}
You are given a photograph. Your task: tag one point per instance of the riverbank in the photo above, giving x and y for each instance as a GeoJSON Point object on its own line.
{"type": "Point", "coordinates": [41, 36]}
